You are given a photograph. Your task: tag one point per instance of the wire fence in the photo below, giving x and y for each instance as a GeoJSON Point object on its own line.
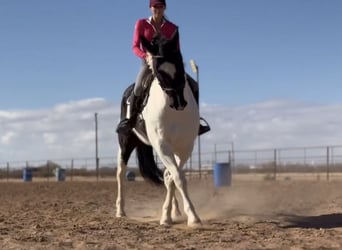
{"type": "Point", "coordinates": [323, 162]}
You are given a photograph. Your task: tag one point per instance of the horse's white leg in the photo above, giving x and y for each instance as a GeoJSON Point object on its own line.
{"type": "Point", "coordinates": [170, 208]}
{"type": "Point", "coordinates": [120, 174]}
{"type": "Point", "coordinates": [175, 207]}
{"type": "Point", "coordinates": [180, 182]}
{"type": "Point", "coordinates": [170, 191]}
{"type": "Point", "coordinates": [168, 159]}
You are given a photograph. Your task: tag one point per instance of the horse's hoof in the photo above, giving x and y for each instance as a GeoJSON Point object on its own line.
{"type": "Point", "coordinates": [195, 224]}
{"type": "Point", "coordinates": [166, 223]}
{"type": "Point", "coordinates": [120, 215]}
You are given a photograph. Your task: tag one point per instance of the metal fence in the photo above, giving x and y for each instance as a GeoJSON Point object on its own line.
{"type": "Point", "coordinates": [318, 162]}
{"type": "Point", "coordinates": [314, 162]}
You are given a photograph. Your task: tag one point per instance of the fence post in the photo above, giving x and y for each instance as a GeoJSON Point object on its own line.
{"type": "Point", "coordinates": [48, 170]}
{"type": "Point", "coordinates": [328, 163]}
{"type": "Point", "coordinates": [72, 168]}
{"type": "Point", "coordinates": [275, 165]}
{"type": "Point", "coordinates": [97, 168]}
{"type": "Point", "coordinates": [7, 174]}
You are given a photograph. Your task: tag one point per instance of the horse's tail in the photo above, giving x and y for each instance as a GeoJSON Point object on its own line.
{"type": "Point", "coordinates": [147, 164]}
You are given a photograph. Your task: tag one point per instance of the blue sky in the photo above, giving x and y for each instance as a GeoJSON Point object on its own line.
{"type": "Point", "coordinates": [277, 59]}
{"type": "Point", "coordinates": [247, 51]}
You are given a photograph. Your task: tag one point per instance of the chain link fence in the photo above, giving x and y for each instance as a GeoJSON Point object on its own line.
{"type": "Point", "coordinates": [323, 162]}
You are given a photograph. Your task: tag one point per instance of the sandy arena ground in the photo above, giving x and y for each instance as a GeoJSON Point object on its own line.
{"type": "Point", "coordinates": [248, 215]}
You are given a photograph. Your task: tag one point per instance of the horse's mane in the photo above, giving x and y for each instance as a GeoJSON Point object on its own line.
{"type": "Point", "coordinates": [166, 52]}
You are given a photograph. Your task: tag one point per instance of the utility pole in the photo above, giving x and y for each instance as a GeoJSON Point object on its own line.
{"type": "Point", "coordinates": [195, 69]}
{"type": "Point", "coordinates": [96, 150]}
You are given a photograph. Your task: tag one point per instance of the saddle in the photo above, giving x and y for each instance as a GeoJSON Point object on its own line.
{"type": "Point", "coordinates": [139, 103]}
{"type": "Point", "coordinates": [141, 100]}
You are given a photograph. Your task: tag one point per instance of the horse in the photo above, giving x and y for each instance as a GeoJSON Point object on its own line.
{"type": "Point", "coordinates": [168, 126]}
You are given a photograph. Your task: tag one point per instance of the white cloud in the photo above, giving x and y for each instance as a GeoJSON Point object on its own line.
{"type": "Point", "coordinates": [49, 138]}
{"type": "Point", "coordinates": [7, 137]}
{"type": "Point", "coordinates": [275, 124]}
{"type": "Point", "coordinates": [68, 130]}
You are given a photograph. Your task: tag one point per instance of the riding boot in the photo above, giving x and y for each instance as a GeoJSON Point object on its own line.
{"type": "Point", "coordinates": [127, 124]}
{"type": "Point", "coordinates": [195, 90]}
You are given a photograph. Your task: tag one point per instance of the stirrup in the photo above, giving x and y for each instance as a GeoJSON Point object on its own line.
{"type": "Point", "coordinates": [203, 128]}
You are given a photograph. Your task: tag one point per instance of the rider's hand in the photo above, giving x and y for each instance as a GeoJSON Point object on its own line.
{"type": "Point", "coordinates": [148, 58]}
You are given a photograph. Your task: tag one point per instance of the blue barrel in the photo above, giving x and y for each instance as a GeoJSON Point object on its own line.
{"type": "Point", "coordinates": [130, 176]}
{"type": "Point", "coordinates": [60, 174]}
{"type": "Point", "coordinates": [27, 174]}
{"type": "Point", "coordinates": [222, 174]}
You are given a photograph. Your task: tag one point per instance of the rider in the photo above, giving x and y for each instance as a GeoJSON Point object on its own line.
{"type": "Point", "coordinates": [157, 24]}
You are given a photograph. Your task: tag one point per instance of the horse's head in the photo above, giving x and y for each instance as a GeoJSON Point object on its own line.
{"type": "Point", "coordinates": [167, 65]}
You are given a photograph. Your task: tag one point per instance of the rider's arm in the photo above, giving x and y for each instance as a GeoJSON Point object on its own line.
{"type": "Point", "coordinates": [137, 49]}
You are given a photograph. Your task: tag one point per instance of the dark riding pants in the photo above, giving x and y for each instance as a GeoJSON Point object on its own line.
{"type": "Point", "coordinates": [138, 88]}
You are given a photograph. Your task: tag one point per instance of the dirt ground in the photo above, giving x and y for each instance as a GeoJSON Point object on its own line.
{"type": "Point", "coordinates": [248, 215]}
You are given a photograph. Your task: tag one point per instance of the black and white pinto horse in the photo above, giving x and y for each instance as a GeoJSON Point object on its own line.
{"type": "Point", "coordinates": [171, 122]}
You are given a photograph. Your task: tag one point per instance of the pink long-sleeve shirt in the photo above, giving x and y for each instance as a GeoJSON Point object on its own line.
{"type": "Point", "coordinates": [144, 27]}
